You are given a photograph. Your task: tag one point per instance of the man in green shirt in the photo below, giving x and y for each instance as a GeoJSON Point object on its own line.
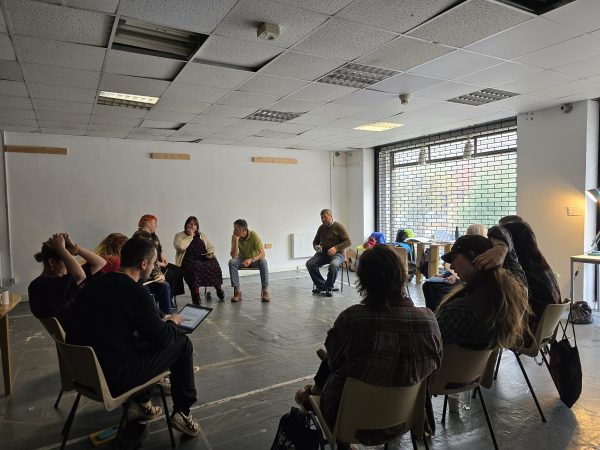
{"type": "Point", "coordinates": [247, 251]}
{"type": "Point", "coordinates": [329, 243]}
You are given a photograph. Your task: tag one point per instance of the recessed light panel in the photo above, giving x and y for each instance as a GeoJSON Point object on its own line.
{"type": "Point", "coordinates": [378, 126]}
{"type": "Point", "coordinates": [273, 116]}
{"type": "Point", "coordinates": [357, 76]}
{"type": "Point", "coordinates": [126, 100]}
{"type": "Point", "coordinates": [482, 97]}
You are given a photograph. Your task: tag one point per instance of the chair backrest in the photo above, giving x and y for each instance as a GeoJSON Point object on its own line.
{"type": "Point", "coordinates": [402, 254]}
{"type": "Point", "coordinates": [367, 407]}
{"type": "Point", "coordinates": [546, 328]}
{"type": "Point", "coordinates": [54, 328]}
{"type": "Point", "coordinates": [462, 369]}
{"type": "Point", "coordinates": [86, 373]}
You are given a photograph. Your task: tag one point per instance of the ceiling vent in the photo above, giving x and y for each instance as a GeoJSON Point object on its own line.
{"type": "Point", "coordinates": [273, 116]}
{"type": "Point", "coordinates": [157, 40]}
{"type": "Point", "coordinates": [357, 76]}
{"type": "Point", "coordinates": [536, 6]}
{"type": "Point", "coordinates": [482, 97]}
{"type": "Point", "coordinates": [126, 100]}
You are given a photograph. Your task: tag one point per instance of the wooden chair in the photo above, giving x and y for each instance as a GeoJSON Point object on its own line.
{"type": "Point", "coordinates": [463, 370]}
{"type": "Point", "coordinates": [88, 380]}
{"type": "Point", "coordinates": [52, 325]}
{"type": "Point", "coordinates": [367, 407]}
{"type": "Point", "coordinates": [544, 334]}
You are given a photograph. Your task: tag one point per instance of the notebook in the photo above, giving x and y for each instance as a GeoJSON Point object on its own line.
{"type": "Point", "coordinates": [192, 316]}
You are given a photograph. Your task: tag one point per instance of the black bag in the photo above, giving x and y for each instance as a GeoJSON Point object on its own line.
{"type": "Point", "coordinates": [565, 367]}
{"type": "Point", "coordinates": [424, 264]}
{"type": "Point", "coordinates": [297, 431]}
{"type": "Point", "coordinates": [581, 313]}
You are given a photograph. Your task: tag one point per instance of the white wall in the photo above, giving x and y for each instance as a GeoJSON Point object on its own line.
{"type": "Point", "coordinates": [361, 194]}
{"type": "Point", "coordinates": [554, 152]}
{"type": "Point", "coordinates": [105, 185]}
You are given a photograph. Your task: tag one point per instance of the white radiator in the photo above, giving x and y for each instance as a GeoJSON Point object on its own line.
{"type": "Point", "coordinates": [302, 245]}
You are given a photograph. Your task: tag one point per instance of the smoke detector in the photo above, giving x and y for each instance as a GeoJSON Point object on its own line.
{"type": "Point", "coordinates": [267, 31]}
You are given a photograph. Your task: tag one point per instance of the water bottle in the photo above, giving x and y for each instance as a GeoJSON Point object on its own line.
{"type": "Point", "coordinates": [456, 233]}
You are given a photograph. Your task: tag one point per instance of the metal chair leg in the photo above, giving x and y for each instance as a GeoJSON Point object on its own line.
{"type": "Point", "coordinates": [498, 364]}
{"type": "Point", "coordinates": [537, 404]}
{"type": "Point", "coordinates": [487, 418]}
{"type": "Point", "coordinates": [67, 428]}
{"type": "Point", "coordinates": [167, 417]}
{"type": "Point", "coordinates": [58, 399]}
{"type": "Point", "coordinates": [122, 423]}
{"type": "Point", "coordinates": [444, 410]}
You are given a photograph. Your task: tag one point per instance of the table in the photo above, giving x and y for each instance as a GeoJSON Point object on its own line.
{"type": "Point", "coordinates": [585, 259]}
{"type": "Point", "coordinates": [434, 256]}
{"type": "Point", "coordinates": [5, 340]}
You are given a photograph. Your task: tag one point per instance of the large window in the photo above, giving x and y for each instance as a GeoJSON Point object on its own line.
{"type": "Point", "coordinates": [440, 182]}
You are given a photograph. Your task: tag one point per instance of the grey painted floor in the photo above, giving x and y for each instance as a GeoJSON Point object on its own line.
{"type": "Point", "coordinates": [254, 356]}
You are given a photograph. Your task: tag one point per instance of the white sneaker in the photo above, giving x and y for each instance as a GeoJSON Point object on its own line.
{"type": "Point", "coordinates": [187, 425]}
{"type": "Point", "coordinates": [146, 410]}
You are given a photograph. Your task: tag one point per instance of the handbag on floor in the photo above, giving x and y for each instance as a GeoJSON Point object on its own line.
{"type": "Point", "coordinates": [296, 431]}
{"type": "Point", "coordinates": [565, 366]}
{"type": "Point", "coordinates": [581, 313]}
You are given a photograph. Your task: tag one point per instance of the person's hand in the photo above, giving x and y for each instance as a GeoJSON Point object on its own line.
{"type": "Point", "coordinates": [73, 249]}
{"type": "Point", "coordinates": [332, 251]}
{"type": "Point", "coordinates": [162, 263]}
{"type": "Point", "coordinates": [235, 237]}
{"type": "Point", "coordinates": [451, 279]}
{"type": "Point", "coordinates": [176, 318]}
{"type": "Point", "coordinates": [160, 278]}
{"type": "Point", "coordinates": [494, 257]}
{"type": "Point", "coordinates": [247, 262]}
{"type": "Point", "coordinates": [56, 242]}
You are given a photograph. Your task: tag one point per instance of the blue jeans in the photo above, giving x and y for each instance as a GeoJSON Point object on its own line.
{"type": "Point", "coordinates": [162, 295]}
{"type": "Point", "coordinates": [261, 265]}
{"type": "Point", "coordinates": [321, 259]}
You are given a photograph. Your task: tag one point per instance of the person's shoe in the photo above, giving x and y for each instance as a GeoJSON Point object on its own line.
{"type": "Point", "coordinates": [195, 299]}
{"type": "Point", "coordinates": [220, 294]}
{"type": "Point", "coordinates": [302, 397]}
{"type": "Point", "coordinates": [328, 293]}
{"type": "Point", "coordinates": [322, 354]}
{"type": "Point", "coordinates": [187, 425]}
{"type": "Point", "coordinates": [146, 410]}
{"type": "Point", "coordinates": [166, 385]}
{"type": "Point", "coordinates": [196, 369]}
{"type": "Point", "coordinates": [317, 290]}
{"type": "Point", "coordinates": [264, 296]}
{"type": "Point", "coordinates": [237, 296]}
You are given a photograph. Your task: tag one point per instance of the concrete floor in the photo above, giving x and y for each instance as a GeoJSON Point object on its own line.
{"type": "Point", "coordinates": [254, 356]}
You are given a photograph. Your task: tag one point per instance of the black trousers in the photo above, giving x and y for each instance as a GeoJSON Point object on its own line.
{"type": "Point", "coordinates": [150, 361]}
{"type": "Point", "coordinates": [434, 292]}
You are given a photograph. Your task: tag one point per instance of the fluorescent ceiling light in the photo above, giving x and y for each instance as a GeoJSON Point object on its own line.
{"type": "Point", "coordinates": [357, 76]}
{"type": "Point", "coordinates": [482, 97]}
{"type": "Point", "coordinates": [273, 116]}
{"type": "Point", "coordinates": [127, 100]}
{"type": "Point", "coordinates": [379, 126]}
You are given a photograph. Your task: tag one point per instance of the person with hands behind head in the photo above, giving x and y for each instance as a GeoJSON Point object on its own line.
{"type": "Point", "coordinates": [53, 292]}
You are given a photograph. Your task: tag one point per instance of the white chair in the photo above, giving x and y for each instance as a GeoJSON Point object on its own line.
{"type": "Point", "coordinates": [52, 325]}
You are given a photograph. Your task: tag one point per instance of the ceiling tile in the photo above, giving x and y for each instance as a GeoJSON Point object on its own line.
{"type": "Point", "coordinates": [10, 70]}
{"type": "Point", "coordinates": [351, 40]}
{"type": "Point", "coordinates": [107, 133]}
{"type": "Point", "coordinates": [484, 19]}
{"type": "Point", "coordinates": [405, 83]}
{"type": "Point", "coordinates": [502, 73]}
{"type": "Point", "coordinates": [61, 76]}
{"type": "Point", "coordinates": [584, 68]}
{"type": "Point", "coordinates": [266, 84]}
{"type": "Point", "coordinates": [295, 106]}
{"type": "Point", "coordinates": [294, 23]}
{"type": "Point", "coordinates": [455, 65]}
{"type": "Point", "coordinates": [20, 129]}
{"type": "Point", "coordinates": [63, 131]}
{"type": "Point", "coordinates": [562, 90]}
{"type": "Point", "coordinates": [198, 129]}
{"type": "Point", "coordinates": [14, 88]}
{"type": "Point", "coordinates": [44, 104]}
{"type": "Point", "coordinates": [287, 127]}
{"type": "Point", "coordinates": [159, 124]}
{"type": "Point", "coordinates": [6, 48]}
{"type": "Point", "coordinates": [229, 111]}
{"type": "Point", "coordinates": [15, 102]}
{"type": "Point", "coordinates": [16, 121]}
{"type": "Point", "coordinates": [64, 54]}
{"type": "Point", "coordinates": [168, 116]}
{"type": "Point", "coordinates": [17, 113]}
{"type": "Point", "coordinates": [301, 66]}
{"type": "Point", "coordinates": [145, 137]}
{"type": "Point", "coordinates": [322, 6]}
{"type": "Point", "coordinates": [107, 6]}
{"type": "Point", "coordinates": [366, 98]}
{"type": "Point", "coordinates": [337, 110]}
{"type": "Point", "coordinates": [581, 15]}
{"type": "Point", "coordinates": [117, 111]}
{"type": "Point", "coordinates": [322, 92]}
{"type": "Point", "coordinates": [109, 122]}
{"type": "Point", "coordinates": [563, 53]}
{"type": "Point", "coordinates": [390, 15]}
{"type": "Point", "coordinates": [193, 15]}
{"type": "Point", "coordinates": [525, 38]}
{"type": "Point", "coordinates": [133, 85]}
{"type": "Point", "coordinates": [194, 93]}
{"type": "Point", "coordinates": [214, 121]}
{"type": "Point", "coordinates": [212, 76]}
{"type": "Point", "coordinates": [248, 100]}
{"type": "Point", "coordinates": [3, 28]}
{"type": "Point", "coordinates": [61, 93]}
{"type": "Point", "coordinates": [404, 53]}
{"type": "Point", "coordinates": [182, 138]}
{"type": "Point", "coordinates": [234, 52]}
{"type": "Point", "coordinates": [447, 90]}
{"type": "Point", "coordinates": [62, 125]}
{"type": "Point", "coordinates": [63, 116]}
{"type": "Point", "coordinates": [535, 81]}
{"type": "Point", "coordinates": [147, 66]}
{"type": "Point", "coordinates": [57, 23]}
{"type": "Point", "coordinates": [178, 105]}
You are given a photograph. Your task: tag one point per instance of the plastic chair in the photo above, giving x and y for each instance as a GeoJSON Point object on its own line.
{"type": "Point", "coordinates": [463, 370]}
{"type": "Point", "coordinates": [544, 334]}
{"type": "Point", "coordinates": [367, 407]}
{"type": "Point", "coordinates": [52, 325]}
{"type": "Point", "coordinates": [88, 380]}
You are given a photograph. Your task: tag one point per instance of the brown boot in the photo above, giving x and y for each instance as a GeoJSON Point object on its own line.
{"type": "Point", "coordinates": [237, 295]}
{"type": "Point", "coordinates": [265, 296]}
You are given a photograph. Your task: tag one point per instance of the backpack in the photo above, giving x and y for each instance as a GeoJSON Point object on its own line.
{"type": "Point", "coordinates": [296, 431]}
{"type": "Point", "coordinates": [581, 313]}
{"type": "Point", "coordinates": [424, 264]}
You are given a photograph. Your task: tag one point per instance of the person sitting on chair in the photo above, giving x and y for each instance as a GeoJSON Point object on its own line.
{"type": "Point", "coordinates": [329, 243]}
{"type": "Point", "coordinates": [247, 251]}
{"type": "Point", "coordinates": [110, 250]}
{"type": "Point", "coordinates": [117, 317]}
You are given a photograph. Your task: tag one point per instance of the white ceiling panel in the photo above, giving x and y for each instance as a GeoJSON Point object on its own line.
{"type": "Point", "coordinates": [64, 54]}
{"type": "Point", "coordinates": [62, 125]}
{"type": "Point", "coordinates": [522, 103]}
{"type": "Point", "coordinates": [159, 124]}
{"type": "Point", "coordinates": [14, 88]}
{"type": "Point", "coordinates": [168, 116]}
{"type": "Point", "coordinates": [405, 83]}
{"type": "Point", "coordinates": [147, 66]}
{"type": "Point", "coordinates": [214, 121]}
{"type": "Point", "coordinates": [17, 113]}
{"type": "Point", "coordinates": [582, 15]}
{"type": "Point", "coordinates": [447, 90]}
{"type": "Point", "coordinates": [366, 98]}
{"type": "Point", "coordinates": [539, 80]}
{"type": "Point", "coordinates": [61, 93]}
{"type": "Point", "coordinates": [502, 73]}
{"type": "Point", "coordinates": [351, 40]}
{"type": "Point", "coordinates": [316, 92]}
{"type": "Point", "coordinates": [111, 121]}
{"type": "Point", "coordinates": [484, 19]}
{"type": "Point", "coordinates": [61, 76]}
{"type": "Point", "coordinates": [57, 23]}
{"type": "Point", "coordinates": [292, 128]}
{"type": "Point", "coordinates": [182, 138]}
{"type": "Point", "coordinates": [336, 110]}
{"type": "Point", "coordinates": [266, 84]}
{"type": "Point", "coordinates": [151, 132]}
{"type": "Point", "coordinates": [563, 53]}
{"type": "Point", "coordinates": [194, 93]}
{"type": "Point", "coordinates": [234, 52]}
{"type": "Point", "coordinates": [198, 129]}
{"type": "Point", "coordinates": [212, 76]}
{"type": "Point", "coordinates": [194, 15]}
{"type": "Point", "coordinates": [10, 70]}
{"type": "Point", "coordinates": [238, 112]}
{"type": "Point", "coordinates": [584, 68]}
{"type": "Point", "coordinates": [294, 23]}
{"type": "Point", "coordinates": [63, 116]}
{"type": "Point", "coordinates": [107, 133]}
{"type": "Point", "coordinates": [393, 15]}
{"type": "Point", "coordinates": [63, 131]}
{"type": "Point", "coordinates": [301, 66]}
{"type": "Point", "coordinates": [18, 122]}
{"type": "Point", "coordinates": [133, 85]}
{"type": "Point", "coordinates": [145, 137]}
{"type": "Point", "coordinates": [116, 111]}
{"type": "Point", "coordinates": [562, 90]}
{"type": "Point", "coordinates": [45, 104]}
{"type": "Point", "coordinates": [295, 106]}
{"type": "Point", "coordinates": [248, 100]}
{"type": "Point", "coordinates": [455, 65]}
{"type": "Point", "coordinates": [107, 6]}
{"type": "Point", "coordinates": [323, 6]}
{"type": "Point", "coordinates": [15, 102]}
{"type": "Point", "coordinates": [6, 48]}
{"type": "Point", "coordinates": [3, 28]}
{"type": "Point", "coordinates": [19, 129]}
{"type": "Point", "coordinates": [404, 53]}
{"type": "Point", "coordinates": [178, 105]}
